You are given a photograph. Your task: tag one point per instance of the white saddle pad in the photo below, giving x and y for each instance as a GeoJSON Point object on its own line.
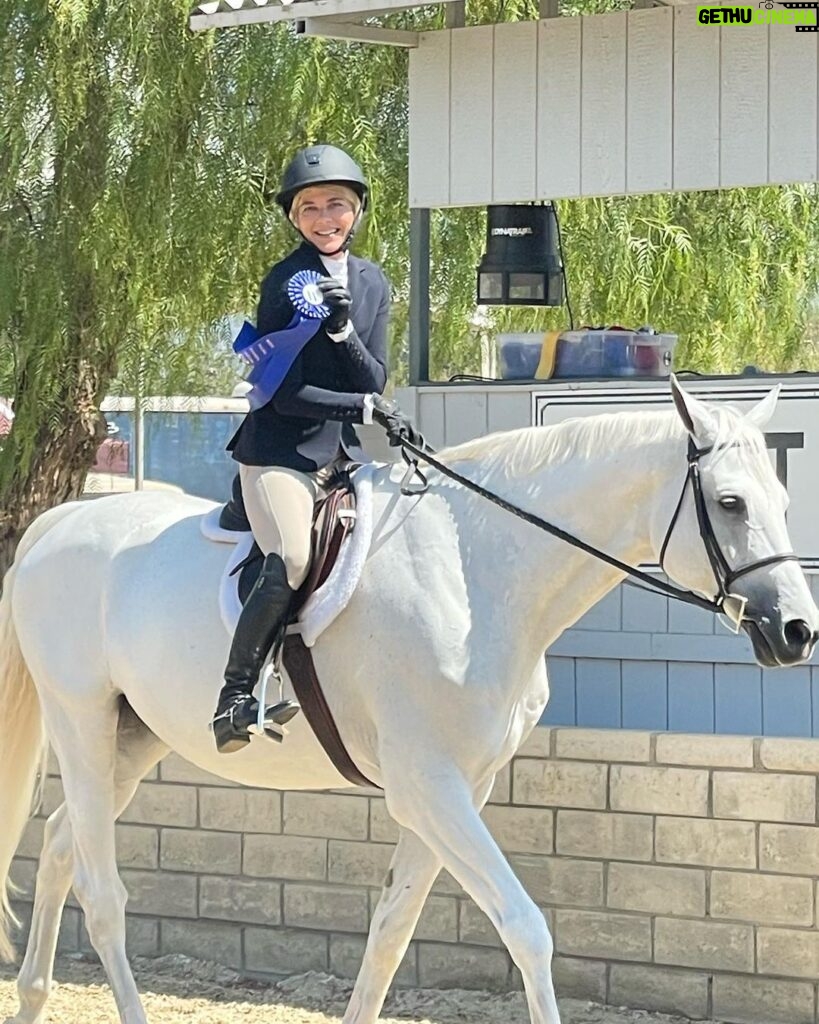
{"type": "Point", "coordinates": [326, 603]}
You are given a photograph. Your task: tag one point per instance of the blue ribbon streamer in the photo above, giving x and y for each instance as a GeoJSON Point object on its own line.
{"type": "Point", "coordinates": [272, 355]}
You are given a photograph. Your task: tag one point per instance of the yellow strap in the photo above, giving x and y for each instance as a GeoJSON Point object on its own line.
{"type": "Point", "coordinates": [546, 366]}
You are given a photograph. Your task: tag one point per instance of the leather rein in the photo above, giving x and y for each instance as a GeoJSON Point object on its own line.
{"type": "Point", "coordinates": [724, 575]}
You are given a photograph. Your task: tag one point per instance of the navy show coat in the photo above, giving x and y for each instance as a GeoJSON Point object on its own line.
{"type": "Point", "coordinates": [311, 415]}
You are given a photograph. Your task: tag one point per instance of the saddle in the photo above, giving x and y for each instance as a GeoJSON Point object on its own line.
{"type": "Point", "coordinates": [334, 517]}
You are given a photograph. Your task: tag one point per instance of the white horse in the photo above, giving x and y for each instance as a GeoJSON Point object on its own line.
{"type": "Point", "coordinates": [112, 649]}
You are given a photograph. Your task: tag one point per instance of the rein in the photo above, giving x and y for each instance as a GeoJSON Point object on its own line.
{"type": "Point", "coordinates": [724, 576]}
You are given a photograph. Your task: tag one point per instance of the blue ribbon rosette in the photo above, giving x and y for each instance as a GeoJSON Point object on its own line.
{"type": "Point", "coordinates": [271, 355]}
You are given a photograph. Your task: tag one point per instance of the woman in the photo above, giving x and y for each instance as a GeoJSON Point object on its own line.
{"type": "Point", "coordinates": [288, 447]}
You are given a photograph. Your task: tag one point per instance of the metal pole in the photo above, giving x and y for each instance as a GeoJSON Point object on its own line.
{"type": "Point", "coordinates": [419, 297]}
{"type": "Point", "coordinates": [139, 440]}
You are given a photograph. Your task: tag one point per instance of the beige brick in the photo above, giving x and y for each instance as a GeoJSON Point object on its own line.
{"type": "Point", "coordinates": [789, 952]}
{"type": "Point", "coordinates": [327, 816]}
{"type": "Point", "coordinates": [313, 906]}
{"type": "Point", "coordinates": [659, 790]}
{"type": "Point", "coordinates": [502, 786]}
{"type": "Point", "coordinates": [292, 857]}
{"type": "Point", "coordinates": [474, 926]}
{"type": "Point", "coordinates": [538, 743]}
{"type": "Point", "coordinates": [603, 745]}
{"type": "Point", "coordinates": [141, 937]}
{"type": "Point", "coordinates": [765, 796]}
{"type": "Point", "coordinates": [451, 966]}
{"type": "Point", "coordinates": [160, 893]}
{"type": "Point", "coordinates": [359, 863]}
{"type": "Point", "coordinates": [137, 846]}
{"type": "Point", "coordinates": [720, 947]}
{"type": "Point", "coordinates": [659, 988]}
{"type": "Point", "coordinates": [604, 835]}
{"type": "Point", "coordinates": [347, 952]}
{"type": "Point", "coordinates": [704, 751]}
{"type": "Point", "coordinates": [188, 850]}
{"type": "Point", "coordinates": [789, 849]}
{"type": "Point", "coordinates": [439, 920]}
{"type": "Point", "coordinates": [205, 940]}
{"type": "Point", "coordinates": [786, 755]}
{"type": "Point", "coordinates": [709, 843]}
{"type": "Point", "coordinates": [656, 890]}
{"type": "Point", "coordinates": [769, 899]}
{"type": "Point", "coordinates": [559, 881]}
{"type": "Point", "coordinates": [603, 935]}
{"type": "Point", "coordinates": [285, 951]}
{"type": "Point", "coordinates": [382, 827]}
{"type": "Point", "coordinates": [240, 899]}
{"type": "Point", "coordinates": [559, 783]}
{"type": "Point", "coordinates": [762, 1001]}
{"type": "Point", "coordinates": [32, 840]}
{"type": "Point", "coordinates": [521, 829]}
{"type": "Point", "coordinates": [445, 885]}
{"type": "Point", "coordinates": [156, 803]}
{"type": "Point", "coordinates": [240, 810]}
{"type": "Point", "coordinates": [579, 979]}
{"type": "Point", "coordinates": [174, 768]}
{"type": "Point", "coordinates": [52, 797]}
{"type": "Point", "coordinates": [22, 876]}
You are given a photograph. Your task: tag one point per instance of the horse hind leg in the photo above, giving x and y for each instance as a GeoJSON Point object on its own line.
{"type": "Point", "coordinates": [137, 751]}
{"type": "Point", "coordinates": [438, 806]}
{"type": "Point", "coordinates": [412, 871]}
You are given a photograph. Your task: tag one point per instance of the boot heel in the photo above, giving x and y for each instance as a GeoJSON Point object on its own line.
{"type": "Point", "coordinates": [228, 739]}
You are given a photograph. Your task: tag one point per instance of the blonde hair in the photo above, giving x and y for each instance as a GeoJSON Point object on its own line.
{"type": "Point", "coordinates": [336, 190]}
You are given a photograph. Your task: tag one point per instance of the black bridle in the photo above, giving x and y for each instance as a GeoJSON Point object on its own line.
{"type": "Point", "coordinates": [724, 575]}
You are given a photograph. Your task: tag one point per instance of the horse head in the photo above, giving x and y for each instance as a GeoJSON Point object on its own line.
{"type": "Point", "coordinates": [728, 537]}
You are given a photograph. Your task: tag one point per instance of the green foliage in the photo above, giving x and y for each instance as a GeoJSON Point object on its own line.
{"type": "Point", "coordinates": [138, 166]}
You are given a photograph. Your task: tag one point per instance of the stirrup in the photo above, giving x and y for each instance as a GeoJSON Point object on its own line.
{"type": "Point", "coordinates": [272, 718]}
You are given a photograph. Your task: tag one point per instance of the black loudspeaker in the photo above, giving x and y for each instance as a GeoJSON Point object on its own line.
{"type": "Point", "coordinates": [521, 265]}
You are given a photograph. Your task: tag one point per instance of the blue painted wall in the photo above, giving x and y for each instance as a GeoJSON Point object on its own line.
{"type": "Point", "coordinates": [639, 661]}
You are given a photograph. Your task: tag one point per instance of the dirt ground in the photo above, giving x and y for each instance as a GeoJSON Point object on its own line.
{"type": "Point", "coordinates": [178, 989]}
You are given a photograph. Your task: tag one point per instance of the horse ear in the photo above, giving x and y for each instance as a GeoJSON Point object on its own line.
{"type": "Point", "coordinates": [761, 413]}
{"type": "Point", "coordinates": [696, 416]}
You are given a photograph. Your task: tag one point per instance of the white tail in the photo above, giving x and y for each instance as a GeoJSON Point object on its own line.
{"type": "Point", "coordinates": [23, 743]}
{"type": "Point", "coordinates": [23, 750]}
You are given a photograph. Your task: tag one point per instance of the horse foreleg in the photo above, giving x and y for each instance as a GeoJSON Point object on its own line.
{"type": "Point", "coordinates": [412, 871]}
{"type": "Point", "coordinates": [438, 806]}
{"type": "Point", "coordinates": [86, 747]}
{"type": "Point", "coordinates": [138, 750]}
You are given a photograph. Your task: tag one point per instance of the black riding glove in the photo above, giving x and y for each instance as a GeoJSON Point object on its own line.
{"type": "Point", "coordinates": [398, 426]}
{"type": "Point", "coordinates": [338, 300]}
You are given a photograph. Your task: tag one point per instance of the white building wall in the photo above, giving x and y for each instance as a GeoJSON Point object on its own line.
{"type": "Point", "coordinates": [624, 103]}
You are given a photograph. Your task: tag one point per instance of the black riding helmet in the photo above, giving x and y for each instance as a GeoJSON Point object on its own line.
{"type": "Point", "coordinates": [323, 165]}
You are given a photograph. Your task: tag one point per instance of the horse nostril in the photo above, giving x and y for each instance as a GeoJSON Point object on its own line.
{"type": "Point", "coordinates": [798, 633]}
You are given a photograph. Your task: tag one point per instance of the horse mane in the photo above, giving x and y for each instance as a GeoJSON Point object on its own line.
{"type": "Point", "coordinates": [526, 450]}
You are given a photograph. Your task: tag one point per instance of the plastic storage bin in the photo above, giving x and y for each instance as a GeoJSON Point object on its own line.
{"type": "Point", "coordinates": [519, 354]}
{"type": "Point", "coordinates": [614, 353]}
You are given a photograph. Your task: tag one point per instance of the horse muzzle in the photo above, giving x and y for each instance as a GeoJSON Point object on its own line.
{"type": "Point", "coordinates": [777, 646]}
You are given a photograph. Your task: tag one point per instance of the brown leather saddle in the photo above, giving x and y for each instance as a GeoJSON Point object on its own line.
{"type": "Point", "coordinates": [333, 518]}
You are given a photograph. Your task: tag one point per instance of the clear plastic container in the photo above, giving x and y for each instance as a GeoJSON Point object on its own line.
{"type": "Point", "coordinates": [606, 353]}
{"type": "Point", "coordinates": [519, 354]}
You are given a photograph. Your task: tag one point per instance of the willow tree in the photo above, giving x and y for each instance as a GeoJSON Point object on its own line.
{"type": "Point", "coordinates": [137, 172]}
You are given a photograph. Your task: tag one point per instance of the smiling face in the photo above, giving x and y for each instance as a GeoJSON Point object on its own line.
{"type": "Point", "coordinates": [325, 214]}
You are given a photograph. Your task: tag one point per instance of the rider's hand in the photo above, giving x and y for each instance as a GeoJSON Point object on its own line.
{"type": "Point", "coordinates": [337, 298]}
{"type": "Point", "coordinates": [398, 426]}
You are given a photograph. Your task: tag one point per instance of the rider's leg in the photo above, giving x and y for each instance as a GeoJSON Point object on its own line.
{"type": "Point", "coordinates": [279, 504]}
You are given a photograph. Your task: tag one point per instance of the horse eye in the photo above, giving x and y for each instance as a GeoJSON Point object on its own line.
{"type": "Point", "coordinates": [731, 503]}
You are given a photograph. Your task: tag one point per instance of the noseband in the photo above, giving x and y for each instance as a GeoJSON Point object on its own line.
{"type": "Point", "coordinates": [724, 575]}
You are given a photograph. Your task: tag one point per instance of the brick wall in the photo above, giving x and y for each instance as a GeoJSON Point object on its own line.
{"type": "Point", "coordinates": [679, 872]}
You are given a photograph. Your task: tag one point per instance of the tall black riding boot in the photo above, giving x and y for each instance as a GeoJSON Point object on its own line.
{"type": "Point", "coordinates": [263, 619]}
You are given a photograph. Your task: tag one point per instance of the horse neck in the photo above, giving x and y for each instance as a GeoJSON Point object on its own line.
{"type": "Point", "coordinates": [608, 498]}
